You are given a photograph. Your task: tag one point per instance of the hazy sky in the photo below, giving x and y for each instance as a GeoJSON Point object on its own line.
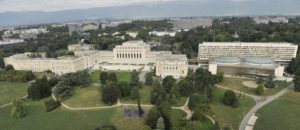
{"type": "Point", "coordinates": [56, 5]}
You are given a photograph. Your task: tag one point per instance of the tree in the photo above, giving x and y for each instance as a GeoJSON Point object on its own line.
{"type": "Point", "coordinates": [297, 80]}
{"type": "Point", "coordinates": [125, 89]}
{"type": "Point", "coordinates": [185, 87]}
{"type": "Point", "coordinates": [9, 68]}
{"type": "Point", "coordinates": [194, 100]}
{"type": "Point", "coordinates": [17, 109]}
{"type": "Point", "coordinates": [39, 89]}
{"type": "Point", "coordinates": [63, 91]}
{"type": "Point", "coordinates": [160, 124]}
{"type": "Point", "coordinates": [292, 66]}
{"type": "Point", "coordinates": [219, 77]}
{"type": "Point", "coordinates": [80, 78]}
{"type": "Point", "coordinates": [200, 111]}
{"type": "Point", "coordinates": [158, 93]}
{"type": "Point", "coordinates": [164, 108]}
{"type": "Point", "coordinates": [135, 94]}
{"type": "Point", "coordinates": [135, 81]}
{"type": "Point", "coordinates": [149, 78]}
{"type": "Point", "coordinates": [270, 82]}
{"type": "Point", "coordinates": [141, 111]}
{"type": "Point", "coordinates": [112, 77]}
{"type": "Point", "coordinates": [168, 83]}
{"type": "Point", "coordinates": [110, 93]}
{"type": "Point", "coordinates": [152, 117]}
{"type": "Point", "coordinates": [259, 90]}
{"type": "Point", "coordinates": [146, 127]}
{"type": "Point", "coordinates": [230, 99]}
{"type": "Point", "coordinates": [103, 77]}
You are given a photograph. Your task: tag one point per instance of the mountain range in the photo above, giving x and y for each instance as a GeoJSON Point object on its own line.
{"type": "Point", "coordinates": [157, 9]}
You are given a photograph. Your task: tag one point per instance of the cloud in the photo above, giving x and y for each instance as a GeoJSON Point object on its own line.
{"type": "Point", "coordinates": [56, 5]}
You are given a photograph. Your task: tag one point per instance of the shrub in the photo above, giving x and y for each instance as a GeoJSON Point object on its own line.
{"type": "Point", "coordinates": [230, 99]}
{"type": "Point", "coordinates": [51, 105]}
{"type": "Point", "coordinates": [259, 90]}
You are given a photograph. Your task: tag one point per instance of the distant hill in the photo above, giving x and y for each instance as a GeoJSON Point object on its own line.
{"type": "Point", "coordinates": [165, 9]}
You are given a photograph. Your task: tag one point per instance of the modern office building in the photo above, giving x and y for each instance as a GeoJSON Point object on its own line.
{"type": "Point", "coordinates": [131, 53]}
{"type": "Point", "coordinates": [239, 58]}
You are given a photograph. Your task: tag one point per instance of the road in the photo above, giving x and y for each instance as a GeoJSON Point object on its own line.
{"type": "Point", "coordinates": [260, 104]}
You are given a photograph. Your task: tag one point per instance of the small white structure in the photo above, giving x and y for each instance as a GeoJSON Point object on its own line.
{"type": "Point", "coordinates": [161, 34]}
{"type": "Point", "coordinates": [132, 34]}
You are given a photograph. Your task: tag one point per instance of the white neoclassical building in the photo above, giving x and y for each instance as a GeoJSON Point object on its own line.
{"type": "Point", "coordinates": [131, 55]}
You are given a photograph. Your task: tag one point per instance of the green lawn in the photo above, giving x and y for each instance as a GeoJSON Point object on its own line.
{"type": "Point", "coordinates": [280, 86]}
{"type": "Point", "coordinates": [281, 114]}
{"type": "Point", "coordinates": [85, 97]}
{"type": "Point", "coordinates": [12, 90]}
{"type": "Point", "coordinates": [122, 76]}
{"type": "Point", "coordinates": [145, 93]}
{"type": "Point", "coordinates": [61, 119]}
{"type": "Point", "coordinates": [236, 84]}
{"type": "Point", "coordinates": [228, 116]}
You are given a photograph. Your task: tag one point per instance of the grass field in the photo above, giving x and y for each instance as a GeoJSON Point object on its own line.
{"type": "Point", "coordinates": [122, 76]}
{"type": "Point", "coordinates": [61, 119]}
{"type": "Point", "coordinates": [281, 114]}
{"type": "Point", "coordinates": [86, 97]}
{"type": "Point", "coordinates": [12, 90]}
{"type": "Point", "coordinates": [228, 116]}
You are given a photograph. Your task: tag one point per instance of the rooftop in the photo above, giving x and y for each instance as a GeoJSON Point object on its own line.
{"type": "Point", "coordinates": [246, 44]}
{"type": "Point", "coordinates": [173, 58]}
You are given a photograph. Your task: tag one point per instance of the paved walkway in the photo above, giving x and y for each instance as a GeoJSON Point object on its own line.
{"type": "Point", "coordinates": [260, 104]}
{"type": "Point", "coordinates": [8, 104]}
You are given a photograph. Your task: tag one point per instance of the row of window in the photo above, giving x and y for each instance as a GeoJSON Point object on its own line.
{"type": "Point", "coordinates": [129, 55]}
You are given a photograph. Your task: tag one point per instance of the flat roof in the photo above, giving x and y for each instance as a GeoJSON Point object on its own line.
{"type": "Point", "coordinates": [246, 44]}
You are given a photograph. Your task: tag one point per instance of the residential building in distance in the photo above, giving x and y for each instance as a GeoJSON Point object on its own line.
{"type": "Point", "coordinates": [114, 23]}
{"type": "Point", "coordinates": [189, 23]}
{"type": "Point", "coordinates": [247, 58]}
{"type": "Point", "coordinates": [82, 27]}
{"type": "Point", "coordinates": [8, 42]}
{"type": "Point", "coordinates": [131, 55]}
{"type": "Point", "coordinates": [274, 19]}
{"type": "Point", "coordinates": [24, 33]}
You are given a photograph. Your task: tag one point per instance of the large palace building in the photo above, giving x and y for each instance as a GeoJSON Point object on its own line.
{"type": "Point", "coordinates": [123, 57]}
{"type": "Point", "coordinates": [238, 58]}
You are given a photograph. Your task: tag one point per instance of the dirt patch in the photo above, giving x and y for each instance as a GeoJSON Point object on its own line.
{"type": "Point", "coordinates": [250, 84]}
